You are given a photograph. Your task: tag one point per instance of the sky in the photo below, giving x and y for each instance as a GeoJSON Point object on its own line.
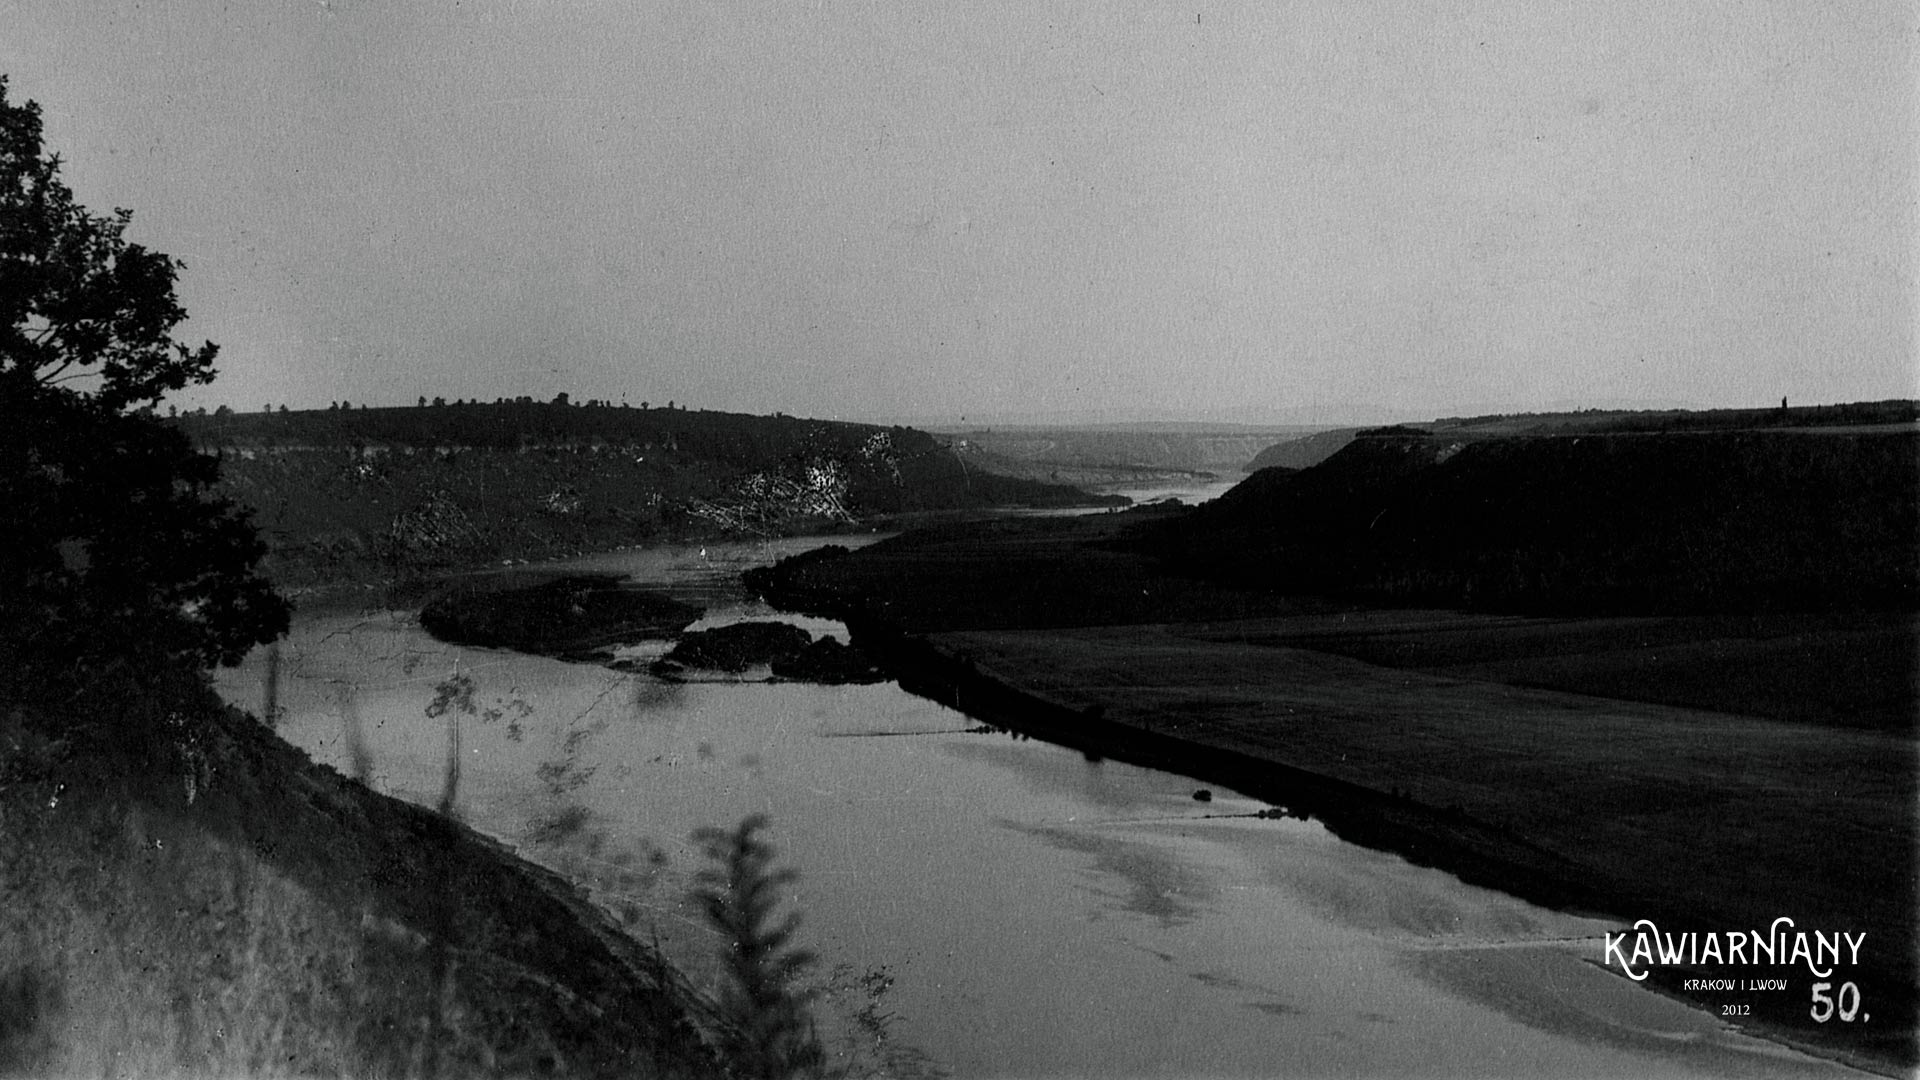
{"type": "Point", "coordinates": [1278, 209]}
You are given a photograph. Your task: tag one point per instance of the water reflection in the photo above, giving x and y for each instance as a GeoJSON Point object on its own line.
{"type": "Point", "coordinates": [1157, 884]}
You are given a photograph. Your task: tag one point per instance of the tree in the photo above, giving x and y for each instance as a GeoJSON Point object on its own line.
{"type": "Point", "coordinates": [119, 548]}
{"type": "Point", "coordinates": [80, 303]}
{"type": "Point", "coordinates": [769, 1033]}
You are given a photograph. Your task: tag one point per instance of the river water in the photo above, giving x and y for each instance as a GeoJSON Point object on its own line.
{"type": "Point", "coordinates": [983, 905]}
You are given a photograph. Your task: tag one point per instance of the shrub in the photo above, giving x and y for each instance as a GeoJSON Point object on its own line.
{"type": "Point", "coordinates": [767, 1031]}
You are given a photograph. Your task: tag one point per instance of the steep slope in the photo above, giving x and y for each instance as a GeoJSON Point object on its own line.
{"type": "Point", "coordinates": [360, 495]}
{"type": "Point", "coordinates": [1744, 520]}
{"type": "Point", "coordinates": [187, 894]}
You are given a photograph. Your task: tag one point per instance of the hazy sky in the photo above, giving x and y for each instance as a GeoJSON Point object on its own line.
{"type": "Point", "coordinates": [906, 209]}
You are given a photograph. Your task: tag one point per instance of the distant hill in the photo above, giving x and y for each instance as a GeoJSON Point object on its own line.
{"type": "Point", "coordinates": [348, 495]}
{"type": "Point", "coordinates": [1190, 449]}
{"type": "Point", "coordinates": [1305, 451]}
{"type": "Point", "coordinates": [718, 436]}
{"type": "Point", "coordinates": [1252, 417]}
{"type": "Point", "coordinates": [1621, 421]}
{"type": "Point", "coordinates": [1726, 511]}
{"type": "Point", "coordinates": [1090, 477]}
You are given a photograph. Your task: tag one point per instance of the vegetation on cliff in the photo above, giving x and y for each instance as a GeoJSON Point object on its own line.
{"type": "Point", "coordinates": [365, 495]}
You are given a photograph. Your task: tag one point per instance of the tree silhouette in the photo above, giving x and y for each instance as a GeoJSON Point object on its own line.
{"type": "Point", "coordinates": [80, 304]}
{"type": "Point", "coordinates": [770, 1034]}
{"type": "Point", "coordinates": [117, 544]}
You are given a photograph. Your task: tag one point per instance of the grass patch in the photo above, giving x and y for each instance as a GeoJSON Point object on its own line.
{"type": "Point", "coordinates": [208, 902]}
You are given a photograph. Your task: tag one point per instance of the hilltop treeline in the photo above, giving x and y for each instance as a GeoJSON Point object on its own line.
{"type": "Point", "coordinates": [1312, 449]}
{"type": "Point", "coordinates": [1729, 520]}
{"type": "Point", "coordinates": [1863, 413]}
{"type": "Point", "coordinates": [356, 495]}
{"type": "Point", "coordinates": [735, 438]}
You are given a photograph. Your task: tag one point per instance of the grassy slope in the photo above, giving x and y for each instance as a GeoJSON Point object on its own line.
{"type": "Point", "coordinates": [213, 902]}
{"type": "Point", "coordinates": [1631, 523]}
{"type": "Point", "coordinates": [1859, 669]}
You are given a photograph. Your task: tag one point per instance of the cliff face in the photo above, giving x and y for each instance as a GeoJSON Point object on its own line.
{"type": "Point", "coordinates": [365, 494]}
{"type": "Point", "coordinates": [1697, 521]}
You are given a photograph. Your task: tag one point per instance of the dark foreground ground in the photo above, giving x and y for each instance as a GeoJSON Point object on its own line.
{"type": "Point", "coordinates": [186, 894]}
{"type": "Point", "coordinates": [1708, 772]}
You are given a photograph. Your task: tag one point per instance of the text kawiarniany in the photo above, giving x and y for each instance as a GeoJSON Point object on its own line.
{"type": "Point", "coordinates": [1751, 947]}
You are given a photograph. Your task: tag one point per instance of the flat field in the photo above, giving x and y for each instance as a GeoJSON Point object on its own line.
{"type": "Point", "coordinates": [1701, 820]}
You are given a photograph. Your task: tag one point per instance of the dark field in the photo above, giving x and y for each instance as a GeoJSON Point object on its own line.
{"type": "Point", "coordinates": [1860, 670]}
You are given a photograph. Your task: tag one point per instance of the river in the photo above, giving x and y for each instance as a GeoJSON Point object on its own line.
{"type": "Point", "coordinates": [984, 905]}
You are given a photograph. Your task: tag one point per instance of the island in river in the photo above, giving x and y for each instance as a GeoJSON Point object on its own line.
{"type": "Point", "coordinates": [1659, 672]}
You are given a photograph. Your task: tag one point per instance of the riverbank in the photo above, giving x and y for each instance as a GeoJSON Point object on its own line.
{"type": "Point", "coordinates": [1698, 819]}
{"type": "Point", "coordinates": [1126, 928]}
{"type": "Point", "coordinates": [1577, 803]}
{"type": "Point", "coordinates": [187, 893]}
{"type": "Point", "coordinates": [356, 585]}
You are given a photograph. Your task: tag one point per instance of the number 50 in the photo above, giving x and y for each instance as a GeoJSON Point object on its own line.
{"type": "Point", "coordinates": [1824, 1006]}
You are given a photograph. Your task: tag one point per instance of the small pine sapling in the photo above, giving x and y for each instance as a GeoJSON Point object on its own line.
{"type": "Point", "coordinates": [768, 1030]}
